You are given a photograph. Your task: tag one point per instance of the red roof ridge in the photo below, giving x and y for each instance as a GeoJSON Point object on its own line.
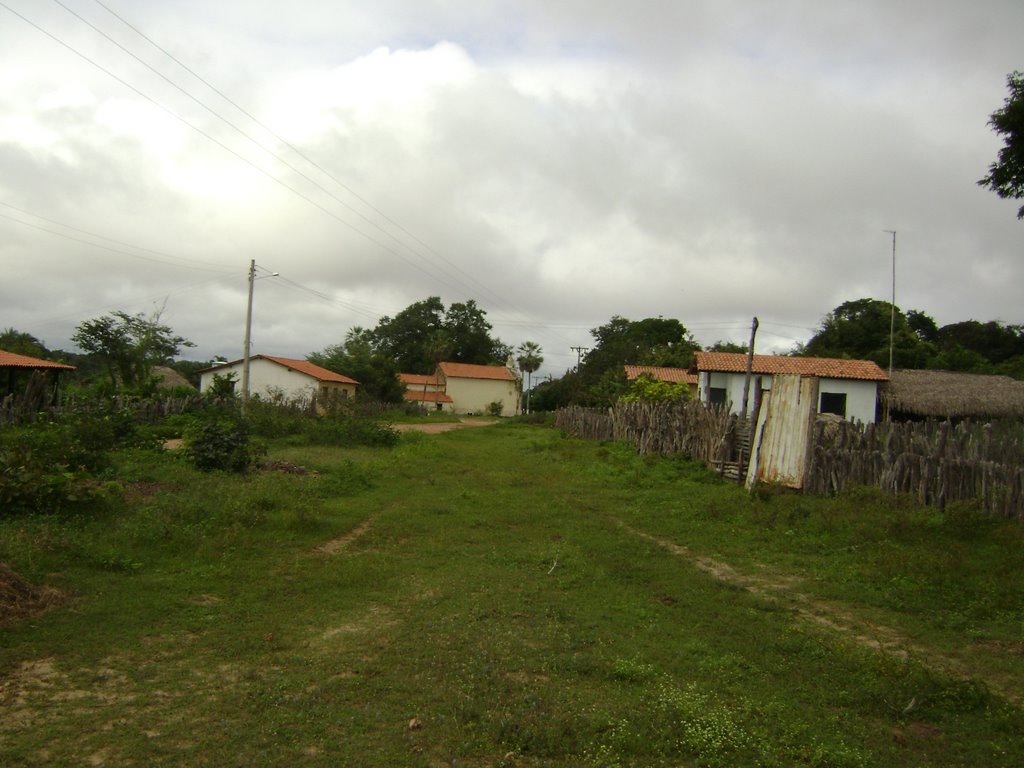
{"type": "Point", "coordinates": [822, 367]}
{"type": "Point", "coordinates": [310, 369]}
{"type": "Point", "coordinates": [661, 373]}
{"type": "Point", "coordinates": [476, 371]}
{"type": "Point", "coordinates": [302, 366]}
{"type": "Point", "coordinates": [14, 360]}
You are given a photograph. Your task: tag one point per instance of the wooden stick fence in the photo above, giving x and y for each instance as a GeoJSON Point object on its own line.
{"type": "Point", "coordinates": [938, 463]}
{"type": "Point", "coordinates": [688, 428]}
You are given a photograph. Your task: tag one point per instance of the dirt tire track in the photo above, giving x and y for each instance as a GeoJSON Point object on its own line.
{"type": "Point", "coordinates": [780, 590]}
{"type": "Point", "coordinates": [334, 546]}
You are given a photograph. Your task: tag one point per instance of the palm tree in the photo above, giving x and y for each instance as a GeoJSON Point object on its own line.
{"type": "Point", "coordinates": [529, 360]}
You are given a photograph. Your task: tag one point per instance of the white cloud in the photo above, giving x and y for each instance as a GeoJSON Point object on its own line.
{"type": "Point", "coordinates": [558, 162]}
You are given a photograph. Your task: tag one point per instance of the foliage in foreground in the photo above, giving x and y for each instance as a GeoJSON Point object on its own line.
{"type": "Point", "coordinates": [484, 598]}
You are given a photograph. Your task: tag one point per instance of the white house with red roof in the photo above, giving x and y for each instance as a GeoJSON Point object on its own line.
{"type": "Point", "coordinates": [848, 388]}
{"type": "Point", "coordinates": [270, 376]}
{"type": "Point", "coordinates": [465, 388]}
{"type": "Point", "coordinates": [426, 390]}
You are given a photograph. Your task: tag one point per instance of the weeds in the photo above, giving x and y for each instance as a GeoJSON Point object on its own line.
{"type": "Point", "coordinates": [211, 624]}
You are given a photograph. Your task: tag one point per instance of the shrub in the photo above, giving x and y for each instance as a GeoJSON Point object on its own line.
{"type": "Point", "coordinates": [220, 443]}
{"type": "Point", "coordinates": [43, 469]}
{"type": "Point", "coordinates": [495, 408]}
{"type": "Point", "coordinates": [350, 430]}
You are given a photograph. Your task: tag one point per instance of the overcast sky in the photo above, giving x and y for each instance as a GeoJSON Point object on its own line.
{"type": "Point", "coordinates": [558, 162]}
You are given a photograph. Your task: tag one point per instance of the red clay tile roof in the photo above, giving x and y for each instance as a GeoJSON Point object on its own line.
{"type": "Point", "coordinates": [469, 371]}
{"type": "Point", "coordinates": [419, 379]}
{"type": "Point", "coordinates": [419, 396]}
{"type": "Point", "coordinates": [308, 368]}
{"type": "Point", "coordinates": [671, 375]}
{"type": "Point", "coordinates": [302, 366]}
{"type": "Point", "coordinates": [12, 360]}
{"type": "Point", "coordinates": [823, 367]}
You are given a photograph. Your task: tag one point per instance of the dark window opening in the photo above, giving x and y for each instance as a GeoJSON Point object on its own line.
{"type": "Point", "coordinates": [716, 395]}
{"type": "Point", "coordinates": [833, 402]}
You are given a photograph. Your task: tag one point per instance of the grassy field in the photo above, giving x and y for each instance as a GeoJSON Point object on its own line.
{"type": "Point", "coordinates": [503, 596]}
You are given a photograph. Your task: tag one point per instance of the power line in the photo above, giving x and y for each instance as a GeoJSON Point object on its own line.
{"type": "Point", "coordinates": [223, 146]}
{"type": "Point", "coordinates": [103, 247]}
{"type": "Point", "coordinates": [290, 146]}
{"type": "Point", "coordinates": [194, 265]}
{"type": "Point", "coordinates": [268, 151]}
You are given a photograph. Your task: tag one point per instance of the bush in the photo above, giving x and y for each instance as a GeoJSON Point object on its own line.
{"type": "Point", "coordinates": [221, 443]}
{"type": "Point", "coordinates": [349, 431]}
{"type": "Point", "coordinates": [44, 469]}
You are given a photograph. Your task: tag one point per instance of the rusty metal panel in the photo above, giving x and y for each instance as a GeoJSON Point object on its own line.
{"type": "Point", "coordinates": [783, 432]}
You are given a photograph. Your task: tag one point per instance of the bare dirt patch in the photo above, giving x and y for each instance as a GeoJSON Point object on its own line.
{"type": "Point", "coordinates": [444, 426]}
{"type": "Point", "coordinates": [334, 546]}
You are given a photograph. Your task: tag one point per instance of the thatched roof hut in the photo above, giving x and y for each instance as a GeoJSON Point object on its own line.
{"type": "Point", "coordinates": [168, 378]}
{"type": "Point", "coordinates": [949, 395]}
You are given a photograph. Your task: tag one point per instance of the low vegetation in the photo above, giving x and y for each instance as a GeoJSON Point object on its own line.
{"type": "Point", "coordinates": [503, 596]}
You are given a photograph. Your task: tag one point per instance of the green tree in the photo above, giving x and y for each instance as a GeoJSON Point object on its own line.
{"type": "Point", "coordinates": [469, 336]}
{"type": "Point", "coordinates": [21, 343]}
{"type": "Point", "coordinates": [129, 346]}
{"type": "Point", "coordinates": [425, 333]}
{"type": "Point", "coordinates": [993, 341]}
{"type": "Point", "coordinates": [358, 358]}
{"type": "Point", "coordinates": [1006, 175]}
{"type": "Point", "coordinates": [403, 338]}
{"type": "Point", "coordinates": [529, 360]}
{"type": "Point", "coordinates": [644, 388]}
{"type": "Point", "coordinates": [727, 346]}
{"type": "Point", "coordinates": [600, 378]}
{"type": "Point", "coordinates": [859, 330]}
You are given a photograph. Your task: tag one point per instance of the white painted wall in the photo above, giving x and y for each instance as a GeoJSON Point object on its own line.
{"type": "Point", "coordinates": [475, 395]}
{"type": "Point", "coordinates": [861, 396]}
{"type": "Point", "coordinates": [265, 377]}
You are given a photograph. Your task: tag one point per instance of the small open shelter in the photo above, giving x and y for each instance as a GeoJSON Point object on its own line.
{"type": "Point", "coordinates": [16, 371]}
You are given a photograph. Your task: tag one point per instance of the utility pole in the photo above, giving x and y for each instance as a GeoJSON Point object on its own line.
{"type": "Point", "coordinates": [892, 305]}
{"type": "Point", "coordinates": [248, 336]}
{"type": "Point", "coordinates": [580, 352]}
{"type": "Point", "coordinates": [248, 333]}
{"type": "Point", "coordinates": [750, 367]}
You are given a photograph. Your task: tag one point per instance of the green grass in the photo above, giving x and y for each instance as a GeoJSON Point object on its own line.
{"type": "Point", "coordinates": [519, 599]}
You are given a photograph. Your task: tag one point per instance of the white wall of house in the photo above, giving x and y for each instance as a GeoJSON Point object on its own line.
{"type": "Point", "coordinates": [861, 396]}
{"type": "Point", "coordinates": [476, 395]}
{"type": "Point", "coordinates": [265, 377]}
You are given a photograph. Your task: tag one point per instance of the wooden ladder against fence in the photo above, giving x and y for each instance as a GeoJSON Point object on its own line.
{"type": "Point", "coordinates": [733, 456]}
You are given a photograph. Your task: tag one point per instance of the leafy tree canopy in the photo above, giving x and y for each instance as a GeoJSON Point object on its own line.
{"type": "Point", "coordinates": [646, 389]}
{"type": "Point", "coordinates": [357, 358]}
{"type": "Point", "coordinates": [600, 378]}
{"type": "Point", "coordinates": [425, 333]}
{"type": "Point", "coordinates": [1006, 175]}
{"type": "Point", "coordinates": [859, 329]}
{"type": "Point", "coordinates": [129, 346]}
{"type": "Point", "coordinates": [21, 343]}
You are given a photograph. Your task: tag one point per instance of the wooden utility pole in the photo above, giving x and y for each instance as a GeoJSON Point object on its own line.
{"type": "Point", "coordinates": [248, 336]}
{"type": "Point", "coordinates": [750, 367]}
{"type": "Point", "coordinates": [892, 306]}
{"type": "Point", "coordinates": [580, 352]}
